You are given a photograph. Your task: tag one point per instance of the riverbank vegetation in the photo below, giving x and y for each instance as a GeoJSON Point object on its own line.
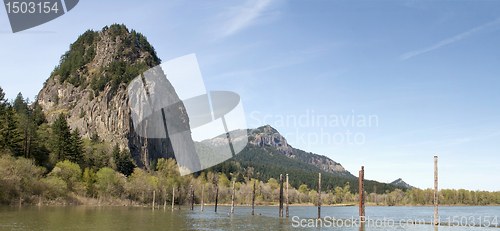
{"type": "Point", "coordinates": [21, 181]}
{"type": "Point", "coordinates": [49, 163]}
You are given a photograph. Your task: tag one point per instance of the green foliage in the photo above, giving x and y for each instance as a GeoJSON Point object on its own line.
{"type": "Point", "coordinates": [303, 189]}
{"type": "Point", "coordinates": [95, 139]}
{"type": "Point", "coordinates": [88, 179]}
{"type": "Point", "coordinates": [132, 46]}
{"type": "Point", "coordinates": [240, 178]}
{"type": "Point", "coordinates": [81, 52]}
{"type": "Point", "coordinates": [20, 105]}
{"type": "Point", "coordinates": [55, 187]}
{"type": "Point", "coordinates": [68, 171]}
{"type": "Point", "coordinates": [76, 151]}
{"type": "Point", "coordinates": [123, 161]}
{"type": "Point", "coordinates": [10, 135]}
{"type": "Point", "coordinates": [18, 176]}
{"type": "Point", "coordinates": [60, 139]}
{"type": "Point", "coordinates": [106, 181]}
{"type": "Point", "coordinates": [117, 72]}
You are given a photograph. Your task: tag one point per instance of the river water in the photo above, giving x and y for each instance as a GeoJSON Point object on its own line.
{"type": "Point", "coordinates": [301, 218]}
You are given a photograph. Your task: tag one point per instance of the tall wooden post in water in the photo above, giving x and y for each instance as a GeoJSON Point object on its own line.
{"type": "Point", "coordinates": [361, 194]}
{"type": "Point", "coordinates": [232, 200]}
{"type": "Point", "coordinates": [319, 196]}
{"type": "Point", "coordinates": [286, 195]}
{"type": "Point", "coordinates": [173, 198]}
{"type": "Point", "coordinates": [281, 196]}
{"type": "Point", "coordinates": [164, 198]}
{"type": "Point", "coordinates": [253, 196]}
{"type": "Point", "coordinates": [216, 191]}
{"type": "Point", "coordinates": [154, 192]}
{"type": "Point", "coordinates": [436, 221]}
{"type": "Point", "coordinates": [180, 196]}
{"type": "Point", "coordinates": [202, 195]}
{"type": "Point", "coordinates": [192, 197]}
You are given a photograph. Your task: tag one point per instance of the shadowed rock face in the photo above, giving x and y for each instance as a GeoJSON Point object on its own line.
{"type": "Point", "coordinates": [108, 114]}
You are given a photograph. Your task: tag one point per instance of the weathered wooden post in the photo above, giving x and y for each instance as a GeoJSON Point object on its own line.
{"type": "Point", "coordinates": [202, 195]}
{"type": "Point", "coordinates": [375, 191]}
{"type": "Point", "coordinates": [319, 196]}
{"type": "Point", "coordinates": [164, 198]}
{"type": "Point", "coordinates": [436, 221]}
{"type": "Point", "coordinates": [154, 192]}
{"type": "Point", "coordinates": [192, 198]}
{"type": "Point", "coordinates": [180, 196]}
{"type": "Point", "coordinates": [253, 196]}
{"type": "Point", "coordinates": [281, 196]}
{"type": "Point", "coordinates": [361, 194]}
{"type": "Point", "coordinates": [286, 195]}
{"type": "Point", "coordinates": [173, 198]}
{"type": "Point", "coordinates": [216, 192]}
{"type": "Point", "coordinates": [232, 200]}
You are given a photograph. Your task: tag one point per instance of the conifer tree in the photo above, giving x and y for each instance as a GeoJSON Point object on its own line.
{"type": "Point", "coordinates": [60, 138]}
{"type": "Point", "coordinates": [10, 138]}
{"type": "Point", "coordinates": [76, 152]}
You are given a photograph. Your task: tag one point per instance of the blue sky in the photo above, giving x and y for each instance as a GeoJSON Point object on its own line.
{"type": "Point", "coordinates": [427, 70]}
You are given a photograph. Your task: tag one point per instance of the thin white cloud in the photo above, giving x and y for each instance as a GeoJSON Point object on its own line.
{"type": "Point", "coordinates": [248, 14]}
{"type": "Point", "coordinates": [451, 40]}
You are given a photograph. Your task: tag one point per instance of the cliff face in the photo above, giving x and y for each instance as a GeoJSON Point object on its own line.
{"type": "Point", "coordinates": [94, 96]}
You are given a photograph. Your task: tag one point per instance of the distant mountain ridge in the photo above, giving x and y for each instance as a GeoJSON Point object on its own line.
{"type": "Point", "coordinates": [266, 137]}
{"type": "Point", "coordinates": [267, 155]}
{"type": "Point", "coordinates": [400, 182]}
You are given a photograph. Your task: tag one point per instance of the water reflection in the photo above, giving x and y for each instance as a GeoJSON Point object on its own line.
{"type": "Point", "coordinates": [143, 218]}
{"type": "Point", "coordinates": [362, 226]}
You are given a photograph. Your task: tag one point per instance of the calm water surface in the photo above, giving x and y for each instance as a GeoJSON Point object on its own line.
{"type": "Point", "coordinates": [141, 218]}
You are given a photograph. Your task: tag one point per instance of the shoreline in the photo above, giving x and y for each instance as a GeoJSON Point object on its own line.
{"type": "Point", "coordinates": [169, 205]}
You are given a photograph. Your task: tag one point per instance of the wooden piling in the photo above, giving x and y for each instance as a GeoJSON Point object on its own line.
{"type": "Point", "coordinates": [436, 221]}
{"type": "Point", "coordinates": [232, 200]}
{"type": "Point", "coordinates": [202, 195]}
{"type": "Point", "coordinates": [164, 198]}
{"type": "Point", "coordinates": [173, 198]}
{"type": "Point", "coordinates": [192, 198]}
{"type": "Point", "coordinates": [216, 192]}
{"type": "Point", "coordinates": [361, 194]}
{"type": "Point", "coordinates": [154, 192]}
{"type": "Point", "coordinates": [180, 196]}
{"type": "Point", "coordinates": [319, 196]}
{"type": "Point", "coordinates": [281, 196]}
{"type": "Point", "coordinates": [286, 195]}
{"type": "Point", "coordinates": [253, 196]}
